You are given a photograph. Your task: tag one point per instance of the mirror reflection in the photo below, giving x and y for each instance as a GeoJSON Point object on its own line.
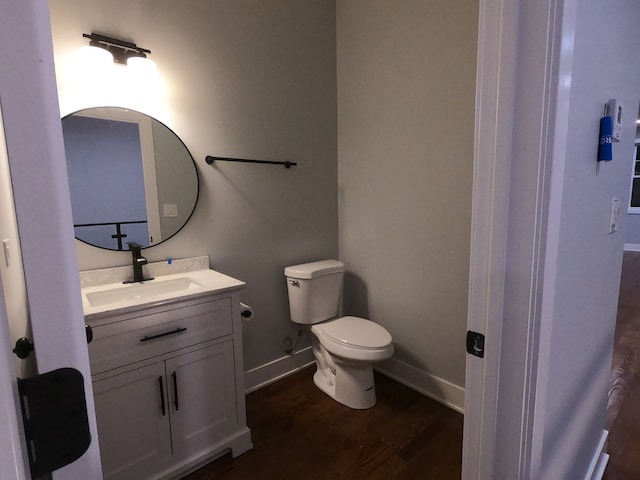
{"type": "Point", "coordinates": [634, 202]}
{"type": "Point", "coordinates": [131, 178]}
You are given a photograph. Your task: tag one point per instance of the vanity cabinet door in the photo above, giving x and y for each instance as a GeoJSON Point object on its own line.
{"type": "Point", "coordinates": [134, 434]}
{"type": "Point", "coordinates": [202, 398]}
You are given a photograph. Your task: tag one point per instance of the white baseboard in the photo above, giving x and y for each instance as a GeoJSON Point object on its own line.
{"type": "Point", "coordinates": [599, 460]}
{"type": "Point", "coordinates": [433, 387]}
{"type": "Point", "coordinates": [273, 371]}
{"type": "Point", "coordinates": [632, 247]}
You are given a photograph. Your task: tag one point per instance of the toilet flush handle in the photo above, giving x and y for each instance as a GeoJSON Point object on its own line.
{"type": "Point", "coordinates": [295, 283]}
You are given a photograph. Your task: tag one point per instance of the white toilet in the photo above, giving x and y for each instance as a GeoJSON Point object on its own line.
{"type": "Point", "coordinates": [345, 347]}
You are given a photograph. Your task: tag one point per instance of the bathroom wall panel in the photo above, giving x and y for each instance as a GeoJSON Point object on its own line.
{"type": "Point", "coordinates": [249, 79]}
{"type": "Point", "coordinates": [584, 264]}
{"type": "Point", "coordinates": [406, 93]}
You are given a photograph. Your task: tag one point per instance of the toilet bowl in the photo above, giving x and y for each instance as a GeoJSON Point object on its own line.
{"type": "Point", "coordinates": [344, 347]}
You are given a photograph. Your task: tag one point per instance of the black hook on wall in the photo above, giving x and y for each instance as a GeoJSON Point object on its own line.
{"type": "Point", "coordinates": [209, 159]}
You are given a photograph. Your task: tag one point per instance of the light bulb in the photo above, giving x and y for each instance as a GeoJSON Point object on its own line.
{"type": "Point", "coordinates": [95, 56]}
{"type": "Point", "coordinates": [142, 65]}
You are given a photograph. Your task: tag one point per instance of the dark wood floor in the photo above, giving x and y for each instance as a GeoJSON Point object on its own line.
{"type": "Point", "coordinates": [623, 413]}
{"type": "Point", "coordinates": [299, 432]}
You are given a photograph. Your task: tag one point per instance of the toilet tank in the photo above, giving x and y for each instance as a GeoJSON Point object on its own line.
{"type": "Point", "coordinates": [314, 290]}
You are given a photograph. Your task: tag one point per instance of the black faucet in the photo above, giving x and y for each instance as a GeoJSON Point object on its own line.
{"type": "Point", "coordinates": [138, 262]}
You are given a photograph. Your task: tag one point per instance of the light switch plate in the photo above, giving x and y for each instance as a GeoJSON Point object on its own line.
{"type": "Point", "coordinates": [170, 210]}
{"type": "Point", "coordinates": [615, 212]}
{"type": "Point", "coordinates": [6, 251]}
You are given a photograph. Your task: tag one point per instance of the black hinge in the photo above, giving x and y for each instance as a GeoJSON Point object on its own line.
{"type": "Point", "coordinates": [54, 412]}
{"type": "Point", "coordinates": [475, 344]}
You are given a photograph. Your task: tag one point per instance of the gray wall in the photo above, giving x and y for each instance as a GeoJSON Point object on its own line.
{"type": "Point", "coordinates": [579, 325]}
{"type": "Point", "coordinates": [250, 79]}
{"type": "Point", "coordinates": [632, 231]}
{"type": "Point", "coordinates": [406, 92]}
{"type": "Point", "coordinates": [174, 180]}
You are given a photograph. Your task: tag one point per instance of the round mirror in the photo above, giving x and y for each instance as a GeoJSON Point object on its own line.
{"type": "Point", "coordinates": [131, 178]}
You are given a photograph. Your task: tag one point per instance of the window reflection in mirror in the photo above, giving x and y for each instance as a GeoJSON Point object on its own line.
{"type": "Point", "coordinates": [634, 202]}
{"type": "Point", "coordinates": [131, 178]}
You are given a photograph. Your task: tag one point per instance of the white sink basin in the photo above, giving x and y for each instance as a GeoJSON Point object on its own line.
{"type": "Point", "coordinates": [146, 291]}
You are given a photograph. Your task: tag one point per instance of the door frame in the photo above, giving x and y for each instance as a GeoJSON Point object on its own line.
{"type": "Point", "coordinates": [518, 133]}
{"type": "Point", "coordinates": [147, 159]}
{"type": "Point", "coordinates": [495, 85]}
{"type": "Point", "coordinates": [13, 457]}
{"type": "Point", "coordinates": [35, 149]}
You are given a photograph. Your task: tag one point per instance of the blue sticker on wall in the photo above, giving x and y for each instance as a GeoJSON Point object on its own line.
{"type": "Point", "coordinates": [605, 147]}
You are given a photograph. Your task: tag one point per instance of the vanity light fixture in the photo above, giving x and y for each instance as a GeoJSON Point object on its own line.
{"type": "Point", "coordinates": [123, 52]}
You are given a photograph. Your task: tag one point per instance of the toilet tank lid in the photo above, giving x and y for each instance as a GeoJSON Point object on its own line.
{"type": "Point", "coordinates": [314, 269]}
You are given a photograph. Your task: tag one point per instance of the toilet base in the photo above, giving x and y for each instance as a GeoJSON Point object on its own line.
{"type": "Point", "coordinates": [351, 386]}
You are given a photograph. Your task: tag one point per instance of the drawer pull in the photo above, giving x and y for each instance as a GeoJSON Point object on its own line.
{"type": "Point", "coordinates": [175, 389]}
{"type": "Point", "coordinates": [160, 335]}
{"type": "Point", "coordinates": [162, 407]}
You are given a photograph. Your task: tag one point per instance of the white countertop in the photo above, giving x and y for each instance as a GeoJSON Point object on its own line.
{"type": "Point", "coordinates": [202, 281]}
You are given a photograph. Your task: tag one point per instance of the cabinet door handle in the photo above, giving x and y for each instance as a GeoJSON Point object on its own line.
{"type": "Point", "coordinates": [146, 338]}
{"type": "Point", "coordinates": [162, 407]}
{"type": "Point", "coordinates": [175, 389]}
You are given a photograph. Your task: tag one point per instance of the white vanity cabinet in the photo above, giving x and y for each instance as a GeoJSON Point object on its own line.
{"type": "Point", "coordinates": [168, 386]}
{"type": "Point", "coordinates": [134, 438]}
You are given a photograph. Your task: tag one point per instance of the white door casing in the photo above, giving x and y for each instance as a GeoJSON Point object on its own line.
{"type": "Point", "coordinates": [495, 86]}
{"type": "Point", "coordinates": [517, 85]}
{"type": "Point", "coordinates": [13, 458]}
{"type": "Point", "coordinates": [147, 158]}
{"type": "Point", "coordinates": [43, 211]}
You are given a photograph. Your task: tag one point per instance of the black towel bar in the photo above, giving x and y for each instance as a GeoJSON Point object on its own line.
{"type": "Point", "coordinates": [209, 159]}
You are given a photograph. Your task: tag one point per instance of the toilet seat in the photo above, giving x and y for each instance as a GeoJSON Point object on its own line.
{"type": "Point", "coordinates": [356, 331]}
{"type": "Point", "coordinates": [354, 338]}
